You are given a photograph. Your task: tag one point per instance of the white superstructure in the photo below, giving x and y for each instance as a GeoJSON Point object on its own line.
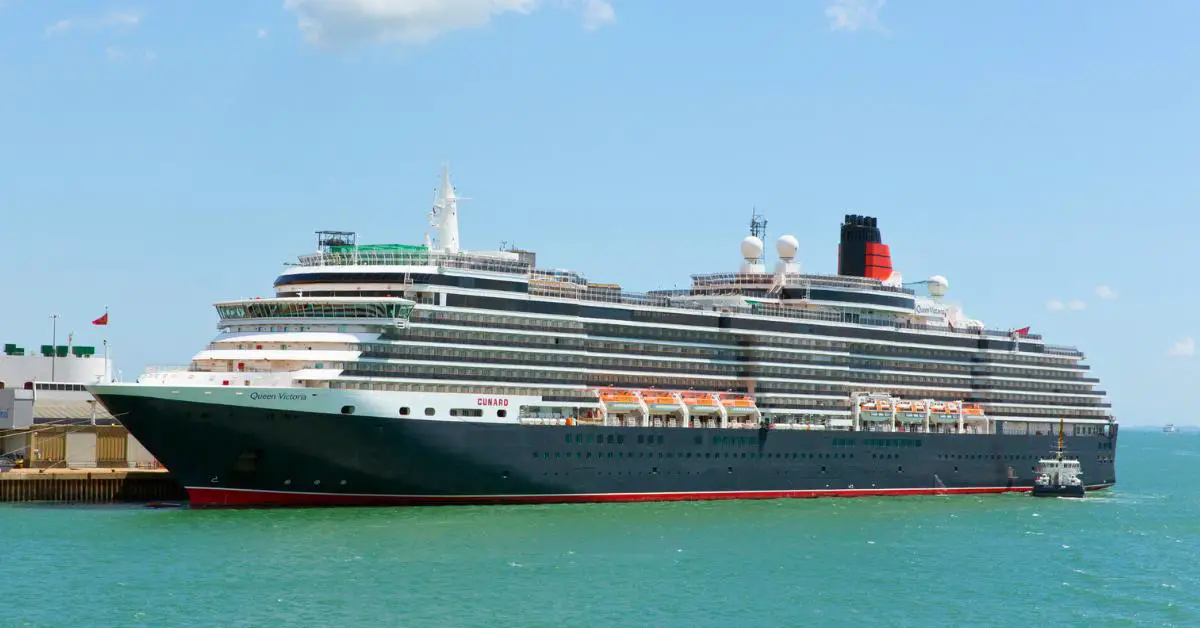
{"type": "Point", "coordinates": [800, 349]}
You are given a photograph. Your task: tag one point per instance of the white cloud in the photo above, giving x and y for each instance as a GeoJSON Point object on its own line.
{"type": "Point", "coordinates": [261, 33]}
{"type": "Point", "coordinates": [1054, 305]}
{"type": "Point", "coordinates": [113, 53]}
{"type": "Point", "coordinates": [349, 22]}
{"type": "Point", "coordinates": [853, 15]}
{"type": "Point", "coordinates": [1106, 292]}
{"type": "Point", "coordinates": [1183, 346]}
{"type": "Point", "coordinates": [597, 13]}
{"type": "Point", "coordinates": [60, 26]}
{"type": "Point", "coordinates": [124, 20]}
{"type": "Point", "coordinates": [1076, 304]}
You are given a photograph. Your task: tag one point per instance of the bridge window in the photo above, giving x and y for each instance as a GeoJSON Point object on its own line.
{"type": "Point", "coordinates": [266, 308]}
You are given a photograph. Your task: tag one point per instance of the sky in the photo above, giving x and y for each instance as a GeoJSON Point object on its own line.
{"type": "Point", "coordinates": [156, 157]}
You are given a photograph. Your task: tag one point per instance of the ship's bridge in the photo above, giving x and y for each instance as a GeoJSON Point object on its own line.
{"type": "Point", "coordinates": [390, 311]}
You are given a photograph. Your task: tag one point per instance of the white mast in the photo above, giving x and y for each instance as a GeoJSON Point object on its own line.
{"type": "Point", "coordinates": [444, 215]}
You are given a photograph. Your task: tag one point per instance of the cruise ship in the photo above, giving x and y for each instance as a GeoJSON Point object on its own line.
{"type": "Point", "coordinates": [414, 374]}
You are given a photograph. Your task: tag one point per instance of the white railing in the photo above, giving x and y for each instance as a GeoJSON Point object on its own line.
{"type": "Point", "coordinates": [794, 280]}
{"type": "Point", "coordinates": [167, 368]}
{"type": "Point", "coordinates": [661, 299]}
{"type": "Point", "coordinates": [463, 261]}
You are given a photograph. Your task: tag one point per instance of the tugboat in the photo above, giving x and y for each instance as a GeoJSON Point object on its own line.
{"type": "Point", "coordinates": [1058, 476]}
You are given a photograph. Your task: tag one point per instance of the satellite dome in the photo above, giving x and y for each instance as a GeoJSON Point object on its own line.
{"type": "Point", "coordinates": [752, 248]}
{"type": "Point", "coordinates": [937, 285]}
{"type": "Point", "coordinates": [786, 246]}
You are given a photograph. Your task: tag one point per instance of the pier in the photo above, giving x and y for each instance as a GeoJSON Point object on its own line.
{"type": "Point", "coordinates": [89, 486]}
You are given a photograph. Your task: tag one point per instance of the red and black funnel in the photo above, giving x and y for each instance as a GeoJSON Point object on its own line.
{"type": "Point", "coordinates": [862, 252]}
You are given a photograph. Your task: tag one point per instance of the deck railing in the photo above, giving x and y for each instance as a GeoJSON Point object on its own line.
{"type": "Point", "coordinates": [464, 261]}
{"type": "Point", "coordinates": [765, 309]}
{"type": "Point", "coordinates": [663, 299]}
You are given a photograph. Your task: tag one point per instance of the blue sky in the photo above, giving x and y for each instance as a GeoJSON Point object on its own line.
{"type": "Point", "coordinates": [156, 157]}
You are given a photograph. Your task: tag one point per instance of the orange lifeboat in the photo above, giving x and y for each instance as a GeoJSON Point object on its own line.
{"type": "Point", "coordinates": [699, 402]}
{"type": "Point", "coordinates": [738, 404]}
{"type": "Point", "coordinates": [619, 399]}
{"type": "Point", "coordinates": [659, 400]}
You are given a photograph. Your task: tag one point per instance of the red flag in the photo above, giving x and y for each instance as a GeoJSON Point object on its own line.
{"type": "Point", "coordinates": [103, 320]}
{"type": "Point", "coordinates": [1024, 331]}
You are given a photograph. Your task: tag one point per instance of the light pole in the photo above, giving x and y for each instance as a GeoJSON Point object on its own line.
{"type": "Point", "coordinates": [53, 343]}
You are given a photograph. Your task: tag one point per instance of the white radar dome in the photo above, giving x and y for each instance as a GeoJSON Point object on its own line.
{"type": "Point", "coordinates": [787, 246]}
{"type": "Point", "coordinates": [938, 285]}
{"type": "Point", "coordinates": [752, 248]}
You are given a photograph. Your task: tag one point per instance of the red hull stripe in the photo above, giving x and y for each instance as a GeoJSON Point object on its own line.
{"type": "Point", "coordinates": [204, 497]}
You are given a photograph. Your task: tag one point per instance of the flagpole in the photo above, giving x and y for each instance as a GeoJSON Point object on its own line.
{"type": "Point", "coordinates": [107, 379]}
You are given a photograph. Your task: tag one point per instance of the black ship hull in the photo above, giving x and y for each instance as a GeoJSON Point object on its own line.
{"type": "Point", "coordinates": [1054, 490]}
{"type": "Point", "coordinates": [231, 456]}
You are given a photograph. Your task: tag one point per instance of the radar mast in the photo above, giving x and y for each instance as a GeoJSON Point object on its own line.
{"type": "Point", "coordinates": [444, 215]}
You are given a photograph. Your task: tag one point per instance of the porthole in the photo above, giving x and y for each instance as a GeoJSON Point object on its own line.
{"type": "Point", "coordinates": [404, 411]}
{"type": "Point", "coordinates": [429, 411]}
{"type": "Point", "coordinates": [347, 409]}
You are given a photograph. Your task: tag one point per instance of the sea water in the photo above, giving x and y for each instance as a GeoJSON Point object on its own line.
{"type": "Point", "coordinates": [1125, 556]}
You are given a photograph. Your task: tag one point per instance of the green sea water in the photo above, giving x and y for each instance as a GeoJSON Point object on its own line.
{"type": "Point", "coordinates": [1124, 557]}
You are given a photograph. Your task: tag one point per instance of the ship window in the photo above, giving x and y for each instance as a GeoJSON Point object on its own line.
{"type": "Point", "coordinates": [404, 411]}
{"type": "Point", "coordinates": [347, 409]}
{"type": "Point", "coordinates": [502, 413]}
{"type": "Point", "coordinates": [429, 411]}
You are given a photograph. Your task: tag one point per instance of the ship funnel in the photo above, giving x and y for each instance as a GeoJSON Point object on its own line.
{"type": "Point", "coordinates": [862, 252]}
